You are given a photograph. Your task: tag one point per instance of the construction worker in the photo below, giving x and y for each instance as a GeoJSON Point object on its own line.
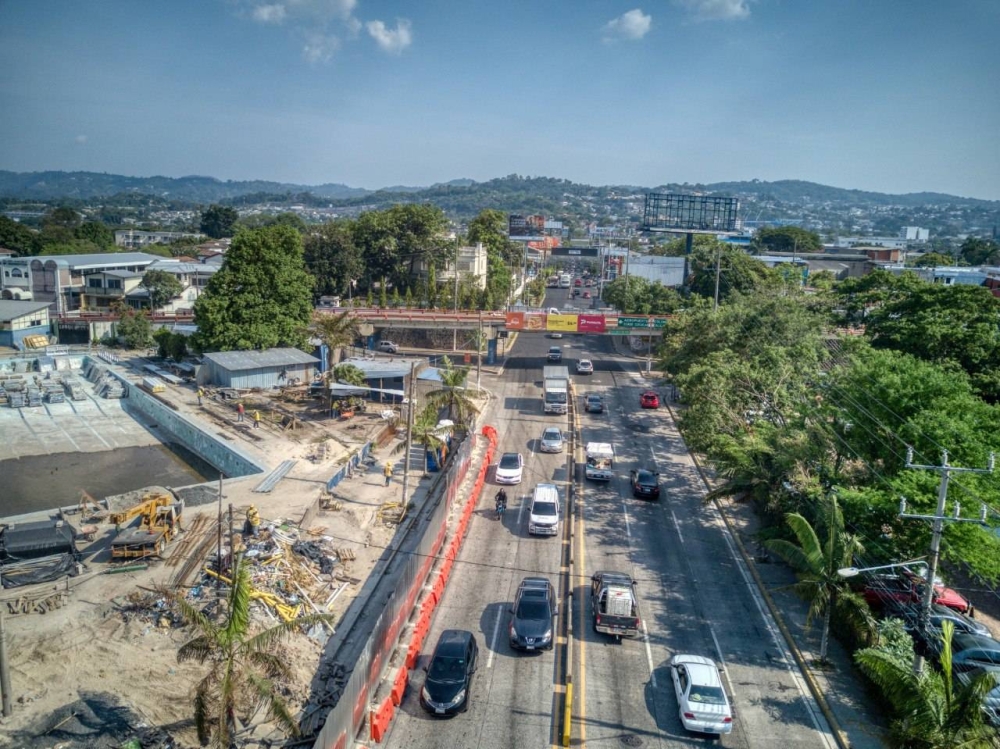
{"type": "Point", "coordinates": [256, 419]}
{"type": "Point", "coordinates": [387, 472]}
{"type": "Point", "coordinates": [239, 411]}
{"type": "Point", "coordinates": [201, 394]}
{"type": "Point", "coordinates": [252, 525]}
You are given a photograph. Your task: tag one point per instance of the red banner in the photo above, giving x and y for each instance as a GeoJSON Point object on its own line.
{"type": "Point", "coordinates": [590, 324]}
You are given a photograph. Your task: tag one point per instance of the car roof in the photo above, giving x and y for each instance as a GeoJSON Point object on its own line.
{"type": "Point", "coordinates": [644, 473]}
{"type": "Point", "coordinates": [649, 392]}
{"type": "Point", "coordinates": [509, 455]}
{"type": "Point", "coordinates": [615, 577]}
{"type": "Point", "coordinates": [552, 429]}
{"type": "Point", "coordinates": [453, 642]}
{"type": "Point", "coordinates": [701, 670]}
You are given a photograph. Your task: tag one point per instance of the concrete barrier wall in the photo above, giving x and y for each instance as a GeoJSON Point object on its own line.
{"type": "Point", "coordinates": [227, 458]}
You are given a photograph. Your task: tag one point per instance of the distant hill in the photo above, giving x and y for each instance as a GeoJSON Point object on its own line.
{"type": "Point", "coordinates": [460, 196]}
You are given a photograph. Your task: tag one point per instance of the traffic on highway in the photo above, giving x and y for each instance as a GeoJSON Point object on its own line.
{"type": "Point", "coordinates": [622, 591]}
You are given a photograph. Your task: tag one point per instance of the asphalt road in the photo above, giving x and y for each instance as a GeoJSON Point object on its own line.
{"type": "Point", "coordinates": [694, 592]}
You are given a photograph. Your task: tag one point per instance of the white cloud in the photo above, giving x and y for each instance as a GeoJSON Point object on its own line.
{"type": "Point", "coordinates": [631, 26]}
{"type": "Point", "coordinates": [319, 47]}
{"type": "Point", "coordinates": [81, 139]}
{"type": "Point", "coordinates": [716, 10]}
{"type": "Point", "coordinates": [393, 41]}
{"type": "Point", "coordinates": [269, 13]}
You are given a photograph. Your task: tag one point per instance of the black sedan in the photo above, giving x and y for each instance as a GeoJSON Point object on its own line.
{"type": "Point", "coordinates": [645, 484]}
{"type": "Point", "coordinates": [532, 614]}
{"type": "Point", "coordinates": [449, 674]}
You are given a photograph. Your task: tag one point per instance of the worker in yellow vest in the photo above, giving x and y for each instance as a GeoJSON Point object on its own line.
{"type": "Point", "coordinates": [252, 525]}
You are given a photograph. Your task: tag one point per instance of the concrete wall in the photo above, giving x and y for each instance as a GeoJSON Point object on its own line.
{"type": "Point", "coordinates": [229, 459]}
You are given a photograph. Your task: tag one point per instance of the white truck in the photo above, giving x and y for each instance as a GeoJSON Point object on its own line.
{"type": "Point", "coordinates": [555, 392]}
{"type": "Point", "coordinates": [600, 461]}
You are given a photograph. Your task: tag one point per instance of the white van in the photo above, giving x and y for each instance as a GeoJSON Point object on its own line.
{"type": "Point", "coordinates": [543, 519]}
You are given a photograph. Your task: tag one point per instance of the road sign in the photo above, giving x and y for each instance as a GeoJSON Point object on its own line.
{"type": "Point", "coordinates": [633, 322]}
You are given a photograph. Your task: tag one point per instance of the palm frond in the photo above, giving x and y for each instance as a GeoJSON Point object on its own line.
{"type": "Point", "coordinates": [277, 708]}
{"type": "Point", "coordinates": [199, 649]}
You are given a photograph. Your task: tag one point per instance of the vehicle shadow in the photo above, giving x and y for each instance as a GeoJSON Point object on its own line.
{"type": "Point", "coordinates": [488, 625]}
{"type": "Point", "coordinates": [522, 405]}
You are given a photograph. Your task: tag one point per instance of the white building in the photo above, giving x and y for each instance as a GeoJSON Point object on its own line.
{"type": "Point", "coordinates": [135, 239]}
{"type": "Point", "coordinates": [472, 265]}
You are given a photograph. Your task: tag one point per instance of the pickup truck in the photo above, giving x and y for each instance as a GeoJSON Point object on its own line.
{"type": "Point", "coordinates": [908, 588]}
{"type": "Point", "coordinates": [600, 461]}
{"type": "Point", "coordinates": [616, 608]}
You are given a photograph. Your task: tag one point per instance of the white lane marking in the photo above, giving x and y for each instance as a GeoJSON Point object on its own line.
{"type": "Point", "coordinates": [493, 643]}
{"type": "Point", "coordinates": [520, 512]}
{"type": "Point", "coordinates": [776, 638]}
{"type": "Point", "coordinates": [652, 454]}
{"type": "Point", "coordinates": [628, 529]}
{"type": "Point", "coordinates": [677, 526]}
{"type": "Point", "coordinates": [718, 649]}
{"type": "Point", "coordinates": [649, 653]}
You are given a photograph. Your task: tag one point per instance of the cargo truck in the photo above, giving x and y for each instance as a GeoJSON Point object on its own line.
{"type": "Point", "coordinates": [600, 461]}
{"type": "Point", "coordinates": [555, 390]}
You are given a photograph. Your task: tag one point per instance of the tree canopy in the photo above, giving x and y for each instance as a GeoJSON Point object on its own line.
{"type": "Point", "coordinates": [787, 239]}
{"type": "Point", "coordinates": [219, 221]}
{"type": "Point", "coordinates": [260, 298]}
{"type": "Point", "coordinates": [162, 287]}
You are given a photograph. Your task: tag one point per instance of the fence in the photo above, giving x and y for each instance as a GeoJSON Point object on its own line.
{"type": "Point", "coordinates": [345, 720]}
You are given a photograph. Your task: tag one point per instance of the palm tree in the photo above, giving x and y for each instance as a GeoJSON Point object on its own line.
{"type": "Point", "coordinates": [336, 331]}
{"type": "Point", "coordinates": [817, 563]}
{"type": "Point", "coordinates": [453, 393]}
{"type": "Point", "coordinates": [934, 712]}
{"type": "Point", "coordinates": [425, 431]}
{"type": "Point", "coordinates": [245, 669]}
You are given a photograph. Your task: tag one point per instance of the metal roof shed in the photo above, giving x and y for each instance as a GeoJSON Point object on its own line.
{"type": "Point", "coordinates": [257, 369]}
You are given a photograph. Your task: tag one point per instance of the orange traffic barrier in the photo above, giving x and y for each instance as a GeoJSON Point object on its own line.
{"type": "Point", "coordinates": [381, 718]}
{"type": "Point", "coordinates": [399, 686]}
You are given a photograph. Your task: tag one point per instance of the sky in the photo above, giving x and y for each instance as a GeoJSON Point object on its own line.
{"type": "Point", "coordinates": [893, 96]}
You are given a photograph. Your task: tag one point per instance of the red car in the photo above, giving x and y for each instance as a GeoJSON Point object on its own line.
{"type": "Point", "coordinates": [649, 399]}
{"type": "Point", "coordinates": [578, 282]}
{"type": "Point", "coordinates": [586, 295]}
{"type": "Point", "coordinates": [908, 588]}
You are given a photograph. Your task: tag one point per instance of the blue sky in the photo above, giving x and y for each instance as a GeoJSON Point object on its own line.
{"type": "Point", "coordinates": [886, 95]}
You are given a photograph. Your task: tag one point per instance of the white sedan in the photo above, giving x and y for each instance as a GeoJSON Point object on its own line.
{"type": "Point", "coordinates": [585, 366]}
{"type": "Point", "coordinates": [510, 468]}
{"type": "Point", "coordinates": [701, 700]}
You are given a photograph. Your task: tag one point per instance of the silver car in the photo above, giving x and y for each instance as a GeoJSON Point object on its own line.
{"type": "Point", "coordinates": [552, 441]}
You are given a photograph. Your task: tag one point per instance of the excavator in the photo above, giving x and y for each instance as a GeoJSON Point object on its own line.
{"type": "Point", "coordinates": [160, 522]}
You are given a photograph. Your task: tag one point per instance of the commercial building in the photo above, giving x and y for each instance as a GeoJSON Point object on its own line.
{"type": "Point", "coordinates": [270, 368]}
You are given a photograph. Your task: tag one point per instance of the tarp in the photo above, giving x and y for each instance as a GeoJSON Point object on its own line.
{"type": "Point", "coordinates": [34, 540]}
{"type": "Point", "coordinates": [44, 570]}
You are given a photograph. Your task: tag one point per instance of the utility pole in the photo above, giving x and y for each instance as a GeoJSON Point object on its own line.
{"type": "Point", "coordinates": [232, 534]}
{"type": "Point", "coordinates": [937, 520]}
{"type": "Point", "coordinates": [409, 434]}
{"type": "Point", "coordinates": [479, 354]}
{"type": "Point", "coordinates": [218, 558]}
{"type": "Point", "coordinates": [718, 272]}
{"type": "Point", "coordinates": [454, 337]}
{"type": "Point", "coordinates": [4, 670]}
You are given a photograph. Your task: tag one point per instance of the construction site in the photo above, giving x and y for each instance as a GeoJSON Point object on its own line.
{"type": "Point", "coordinates": [89, 590]}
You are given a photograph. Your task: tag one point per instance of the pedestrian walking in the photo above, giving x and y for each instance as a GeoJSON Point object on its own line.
{"type": "Point", "coordinates": [387, 472]}
{"type": "Point", "coordinates": [239, 412]}
{"type": "Point", "coordinates": [201, 394]}
{"type": "Point", "coordinates": [256, 419]}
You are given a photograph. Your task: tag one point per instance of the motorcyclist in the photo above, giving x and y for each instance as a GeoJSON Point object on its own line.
{"type": "Point", "coordinates": [501, 502]}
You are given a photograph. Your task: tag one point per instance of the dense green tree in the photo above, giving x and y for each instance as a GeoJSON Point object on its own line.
{"type": "Point", "coordinates": [932, 260]}
{"type": "Point", "coordinates": [453, 394]}
{"type": "Point", "coordinates": [15, 236]}
{"type": "Point", "coordinates": [426, 432]}
{"type": "Point", "coordinates": [976, 251]}
{"type": "Point", "coordinates": [738, 271]}
{"type": "Point", "coordinates": [635, 295]}
{"type": "Point", "coordinates": [490, 229]}
{"type": "Point", "coordinates": [348, 374]}
{"type": "Point", "coordinates": [333, 258]}
{"type": "Point", "coordinates": [787, 239]}
{"type": "Point", "coordinates": [816, 555]}
{"type": "Point", "coordinates": [97, 233]}
{"type": "Point", "coordinates": [383, 294]}
{"type": "Point", "coordinates": [63, 217]}
{"type": "Point", "coordinates": [394, 241]}
{"type": "Point", "coordinates": [170, 345]}
{"type": "Point", "coordinates": [957, 324]}
{"type": "Point", "coordinates": [858, 296]}
{"type": "Point", "coordinates": [133, 327]}
{"type": "Point", "coordinates": [260, 298]}
{"type": "Point", "coordinates": [219, 221]}
{"type": "Point", "coordinates": [933, 709]}
{"type": "Point", "coordinates": [162, 287]}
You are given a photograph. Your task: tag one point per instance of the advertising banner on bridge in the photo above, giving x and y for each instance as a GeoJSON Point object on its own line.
{"type": "Point", "coordinates": [525, 321]}
{"type": "Point", "coordinates": [590, 324]}
{"type": "Point", "coordinates": [514, 321]}
{"type": "Point", "coordinates": [561, 323]}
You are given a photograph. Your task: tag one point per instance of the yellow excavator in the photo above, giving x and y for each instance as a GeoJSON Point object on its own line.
{"type": "Point", "coordinates": [160, 522]}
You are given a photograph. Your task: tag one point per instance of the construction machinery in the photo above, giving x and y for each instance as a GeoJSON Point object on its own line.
{"type": "Point", "coordinates": [160, 522]}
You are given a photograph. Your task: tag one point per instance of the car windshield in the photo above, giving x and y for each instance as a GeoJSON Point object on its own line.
{"type": "Point", "coordinates": [509, 461]}
{"type": "Point", "coordinates": [543, 508]}
{"type": "Point", "coordinates": [446, 669]}
{"type": "Point", "coordinates": [555, 350]}
{"type": "Point", "coordinates": [646, 479]}
{"type": "Point", "coordinates": [594, 399]}
{"type": "Point", "coordinates": [552, 434]}
{"type": "Point", "coordinates": [707, 695]}
{"type": "Point", "coordinates": [532, 609]}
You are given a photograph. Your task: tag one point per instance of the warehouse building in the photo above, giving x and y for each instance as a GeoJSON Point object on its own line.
{"type": "Point", "coordinates": [271, 368]}
{"type": "Point", "coordinates": [21, 319]}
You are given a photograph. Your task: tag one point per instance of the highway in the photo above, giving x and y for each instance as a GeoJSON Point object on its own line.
{"type": "Point", "coordinates": [695, 594]}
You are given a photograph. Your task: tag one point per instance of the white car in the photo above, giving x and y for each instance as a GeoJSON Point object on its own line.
{"type": "Point", "coordinates": [510, 468]}
{"type": "Point", "coordinates": [701, 700]}
{"type": "Point", "coordinates": [388, 347]}
{"type": "Point", "coordinates": [585, 366]}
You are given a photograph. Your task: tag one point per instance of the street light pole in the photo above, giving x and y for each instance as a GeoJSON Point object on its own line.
{"type": "Point", "coordinates": [409, 436]}
{"type": "Point", "coordinates": [454, 337]}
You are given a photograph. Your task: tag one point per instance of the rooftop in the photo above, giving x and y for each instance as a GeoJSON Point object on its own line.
{"type": "Point", "coordinates": [12, 309]}
{"type": "Point", "coordinates": [236, 361]}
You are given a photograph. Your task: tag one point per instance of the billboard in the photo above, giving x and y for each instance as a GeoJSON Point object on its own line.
{"type": "Point", "coordinates": [521, 228]}
{"type": "Point", "coordinates": [562, 323]}
{"type": "Point", "coordinates": [690, 213]}
{"type": "Point", "coordinates": [590, 324]}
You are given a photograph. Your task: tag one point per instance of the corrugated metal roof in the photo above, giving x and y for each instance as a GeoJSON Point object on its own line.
{"type": "Point", "coordinates": [98, 260]}
{"type": "Point", "coordinates": [384, 368]}
{"type": "Point", "coordinates": [9, 309]}
{"type": "Point", "coordinates": [238, 361]}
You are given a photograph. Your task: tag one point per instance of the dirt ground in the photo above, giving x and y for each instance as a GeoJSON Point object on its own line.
{"type": "Point", "coordinates": [94, 645]}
